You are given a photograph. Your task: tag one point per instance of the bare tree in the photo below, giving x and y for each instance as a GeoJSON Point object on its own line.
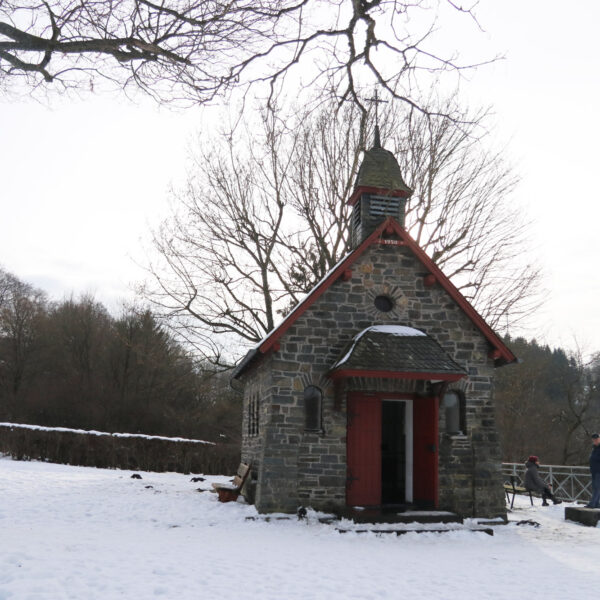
{"type": "Point", "coordinates": [527, 395]}
{"type": "Point", "coordinates": [264, 216]}
{"type": "Point", "coordinates": [221, 249]}
{"type": "Point", "coordinates": [260, 220]}
{"type": "Point", "coordinates": [196, 49]}
{"type": "Point", "coordinates": [464, 213]}
{"type": "Point", "coordinates": [21, 307]}
{"type": "Point", "coordinates": [579, 415]}
{"type": "Point", "coordinates": [548, 405]}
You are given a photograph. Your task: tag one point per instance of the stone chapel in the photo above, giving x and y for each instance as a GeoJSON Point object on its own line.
{"type": "Point", "coordinates": [377, 389]}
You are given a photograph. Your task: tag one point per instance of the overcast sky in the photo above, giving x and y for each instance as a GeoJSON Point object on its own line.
{"type": "Point", "coordinates": [82, 182]}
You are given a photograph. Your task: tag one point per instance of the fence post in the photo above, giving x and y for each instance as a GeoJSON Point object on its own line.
{"type": "Point", "coordinates": [572, 487]}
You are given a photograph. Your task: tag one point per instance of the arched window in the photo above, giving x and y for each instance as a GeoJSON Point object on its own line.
{"type": "Point", "coordinates": [454, 410]}
{"type": "Point", "coordinates": [313, 400]}
{"type": "Point", "coordinates": [253, 413]}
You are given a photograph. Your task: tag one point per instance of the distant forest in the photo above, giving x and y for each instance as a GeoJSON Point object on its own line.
{"type": "Point", "coordinates": [548, 404]}
{"type": "Point", "coordinates": [72, 364]}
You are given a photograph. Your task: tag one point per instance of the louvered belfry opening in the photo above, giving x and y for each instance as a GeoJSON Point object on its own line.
{"type": "Point", "coordinates": [379, 192]}
{"type": "Point", "coordinates": [371, 210]}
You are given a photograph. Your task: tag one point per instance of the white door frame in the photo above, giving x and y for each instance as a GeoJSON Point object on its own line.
{"type": "Point", "coordinates": [408, 450]}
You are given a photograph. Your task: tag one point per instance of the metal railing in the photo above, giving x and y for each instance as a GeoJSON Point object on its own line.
{"type": "Point", "coordinates": [568, 483]}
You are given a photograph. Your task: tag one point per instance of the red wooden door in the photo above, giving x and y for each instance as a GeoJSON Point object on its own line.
{"type": "Point", "coordinates": [425, 457]}
{"type": "Point", "coordinates": [363, 487]}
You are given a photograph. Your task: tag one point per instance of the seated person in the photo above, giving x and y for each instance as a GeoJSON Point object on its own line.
{"type": "Point", "coordinates": [534, 483]}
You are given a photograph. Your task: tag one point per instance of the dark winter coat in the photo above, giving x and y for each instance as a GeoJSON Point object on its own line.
{"type": "Point", "coordinates": [595, 460]}
{"type": "Point", "coordinates": [533, 481]}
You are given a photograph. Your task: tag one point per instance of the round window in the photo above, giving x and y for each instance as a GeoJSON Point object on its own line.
{"type": "Point", "coordinates": [384, 303]}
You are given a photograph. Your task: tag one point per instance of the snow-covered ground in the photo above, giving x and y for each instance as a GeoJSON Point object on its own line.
{"type": "Point", "coordinates": [84, 533]}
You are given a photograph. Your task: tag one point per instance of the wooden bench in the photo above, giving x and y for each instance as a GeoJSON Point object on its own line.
{"type": "Point", "coordinates": [514, 489]}
{"type": "Point", "coordinates": [228, 492]}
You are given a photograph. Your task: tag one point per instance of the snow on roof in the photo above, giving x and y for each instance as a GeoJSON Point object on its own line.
{"type": "Point", "coordinates": [400, 330]}
{"type": "Point", "coordinates": [396, 330]}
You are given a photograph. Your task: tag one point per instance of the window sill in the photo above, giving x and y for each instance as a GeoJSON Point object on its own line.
{"type": "Point", "coordinates": [314, 431]}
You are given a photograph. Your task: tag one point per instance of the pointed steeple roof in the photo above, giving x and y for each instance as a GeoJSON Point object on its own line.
{"type": "Point", "coordinates": [379, 172]}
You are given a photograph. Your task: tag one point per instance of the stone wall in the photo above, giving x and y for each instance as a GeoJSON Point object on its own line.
{"type": "Point", "coordinates": [308, 468]}
{"type": "Point", "coordinates": [256, 381]}
{"type": "Point", "coordinates": [456, 474]}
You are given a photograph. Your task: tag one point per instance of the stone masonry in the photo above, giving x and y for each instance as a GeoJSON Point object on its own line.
{"type": "Point", "coordinates": [298, 468]}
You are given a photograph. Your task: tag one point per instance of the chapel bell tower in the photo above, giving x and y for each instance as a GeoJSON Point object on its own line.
{"type": "Point", "coordinates": [379, 192]}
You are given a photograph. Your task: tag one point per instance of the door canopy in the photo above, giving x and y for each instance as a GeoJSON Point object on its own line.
{"type": "Point", "coordinates": [397, 352]}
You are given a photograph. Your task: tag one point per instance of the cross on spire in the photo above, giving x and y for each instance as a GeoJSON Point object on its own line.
{"type": "Point", "coordinates": [376, 101]}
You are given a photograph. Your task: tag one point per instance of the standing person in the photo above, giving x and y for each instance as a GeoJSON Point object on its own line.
{"type": "Point", "coordinates": [534, 483]}
{"type": "Point", "coordinates": [595, 471]}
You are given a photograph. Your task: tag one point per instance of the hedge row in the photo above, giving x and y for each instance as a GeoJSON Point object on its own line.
{"type": "Point", "coordinates": [115, 452]}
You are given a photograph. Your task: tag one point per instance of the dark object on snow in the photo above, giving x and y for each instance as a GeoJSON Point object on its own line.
{"type": "Point", "coordinates": [301, 513]}
{"type": "Point", "coordinates": [149, 487]}
{"type": "Point", "coordinates": [267, 519]}
{"type": "Point", "coordinates": [529, 522]}
{"type": "Point", "coordinates": [197, 479]}
{"type": "Point", "coordinates": [136, 476]}
{"type": "Point", "coordinates": [585, 516]}
{"type": "Point", "coordinates": [486, 530]}
{"type": "Point", "coordinates": [229, 492]}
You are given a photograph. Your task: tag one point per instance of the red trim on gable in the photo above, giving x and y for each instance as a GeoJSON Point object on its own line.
{"type": "Point", "coordinates": [344, 265]}
{"type": "Point", "coordinates": [377, 191]}
{"type": "Point", "coordinates": [455, 294]}
{"type": "Point", "coordinates": [320, 289]}
{"type": "Point", "coordinates": [394, 375]}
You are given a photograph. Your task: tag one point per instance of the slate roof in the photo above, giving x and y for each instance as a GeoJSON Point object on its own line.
{"type": "Point", "coordinates": [380, 169]}
{"type": "Point", "coordinates": [396, 349]}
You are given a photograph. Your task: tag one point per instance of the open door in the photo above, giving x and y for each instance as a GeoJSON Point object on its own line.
{"type": "Point", "coordinates": [381, 467]}
{"type": "Point", "coordinates": [396, 451]}
{"type": "Point", "coordinates": [425, 436]}
{"type": "Point", "coordinates": [363, 483]}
